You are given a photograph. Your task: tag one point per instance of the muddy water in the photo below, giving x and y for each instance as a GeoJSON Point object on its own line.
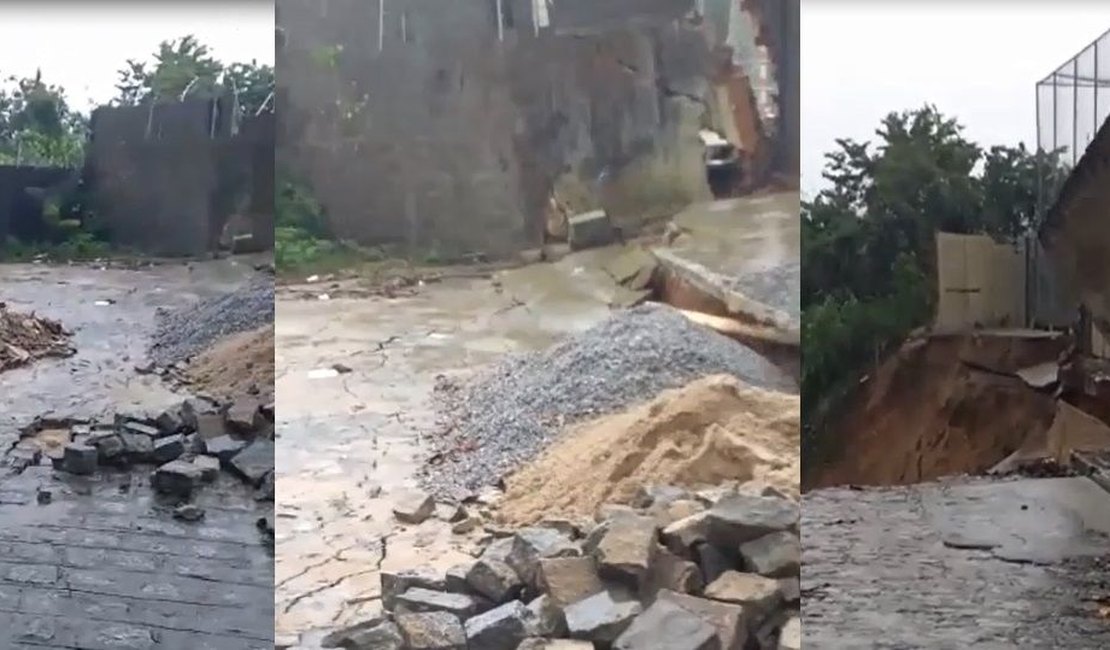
{"type": "Point", "coordinates": [349, 445]}
{"type": "Point", "coordinates": [110, 338]}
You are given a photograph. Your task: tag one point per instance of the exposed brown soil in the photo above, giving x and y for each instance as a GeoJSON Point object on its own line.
{"type": "Point", "coordinates": [941, 406]}
{"type": "Point", "coordinates": [25, 338]}
{"type": "Point", "coordinates": [711, 431]}
{"type": "Point", "coordinates": [237, 365]}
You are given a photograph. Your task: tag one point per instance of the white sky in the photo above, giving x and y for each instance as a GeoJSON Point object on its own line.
{"type": "Point", "coordinates": [81, 45]}
{"type": "Point", "coordinates": [977, 61]}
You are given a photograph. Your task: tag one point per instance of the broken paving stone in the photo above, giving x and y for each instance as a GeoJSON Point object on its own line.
{"type": "Point", "coordinates": [395, 583]}
{"type": "Point", "coordinates": [740, 518]}
{"type": "Point", "coordinates": [684, 535]}
{"type": "Point", "coordinates": [530, 545]}
{"type": "Point", "coordinates": [753, 592]}
{"type": "Point", "coordinates": [132, 425]}
{"type": "Point", "coordinates": [188, 512]}
{"type": "Point", "coordinates": [255, 461]}
{"type": "Point", "coordinates": [713, 561]}
{"type": "Point", "coordinates": [266, 490]}
{"type": "Point", "coordinates": [499, 550]}
{"type": "Point", "coordinates": [495, 580]}
{"type": "Point", "coordinates": [138, 446]}
{"type": "Point", "coordinates": [466, 526]}
{"type": "Point", "coordinates": [454, 580]}
{"type": "Point", "coordinates": [169, 423]}
{"type": "Point", "coordinates": [568, 580]}
{"type": "Point", "coordinates": [611, 511]}
{"type": "Point", "coordinates": [44, 496]}
{"type": "Point", "coordinates": [432, 631]}
{"type": "Point", "coordinates": [589, 230]}
{"type": "Point", "coordinates": [571, 530]}
{"type": "Point", "coordinates": [210, 426]}
{"type": "Point", "coordinates": [777, 555]}
{"type": "Point", "coordinates": [376, 633]}
{"type": "Point", "coordinates": [554, 644]}
{"type": "Point", "coordinates": [194, 407]}
{"type": "Point", "coordinates": [671, 572]}
{"type": "Point", "coordinates": [244, 416]}
{"type": "Point", "coordinates": [546, 617]}
{"type": "Point", "coordinates": [177, 478]}
{"type": "Point", "coordinates": [790, 638]}
{"type": "Point", "coordinates": [224, 448]}
{"type": "Point", "coordinates": [79, 459]}
{"type": "Point", "coordinates": [109, 448]}
{"type": "Point", "coordinates": [501, 628]}
{"type": "Point", "coordinates": [209, 467]}
{"type": "Point", "coordinates": [414, 507]}
{"type": "Point", "coordinates": [791, 589]}
{"type": "Point", "coordinates": [666, 625]}
{"type": "Point", "coordinates": [450, 512]}
{"type": "Point", "coordinates": [600, 618]}
{"type": "Point", "coordinates": [658, 495]}
{"type": "Point", "coordinates": [419, 600]}
{"type": "Point", "coordinates": [730, 621]}
{"type": "Point", "coordinates": [168, 448]}
{"type": "Point", "coordinates": [627, 549]}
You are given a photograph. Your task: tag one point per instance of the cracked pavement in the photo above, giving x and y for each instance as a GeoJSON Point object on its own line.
{"type": "Point", "coordinates": [965, 563]}
{"type": "Point", "coordinates": [348, 445]}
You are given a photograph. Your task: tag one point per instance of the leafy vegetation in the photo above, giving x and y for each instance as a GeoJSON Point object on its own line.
{"type": "Point", "coordinates": [183, 68]}
{"type": "Point", "coordinates": [39, 127]}
{"type": "Point", "coordinates": [300, 236]}
{"type": "Point", "coordinates": [868, 240]}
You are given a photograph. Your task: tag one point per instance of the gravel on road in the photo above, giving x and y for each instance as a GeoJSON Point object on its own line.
{"type": "Point", "coordinates": [180, 334]}
{"type": "Point", "coordinates": [504, 416]}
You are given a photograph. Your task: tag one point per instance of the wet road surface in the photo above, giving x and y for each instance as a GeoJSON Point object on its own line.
{"type": "Point", "coordinates": [101, 566]}
{"type": "Point", "coordinates": [960, 564]}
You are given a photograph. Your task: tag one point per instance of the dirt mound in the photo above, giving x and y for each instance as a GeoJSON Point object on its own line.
{"type": "Point", "coordinates": [236, 365]}
{"type": "Point", "coordinates": [942, 406]}
{"type": "Point", "coordinates": [712, 430]}
{"type": "Point", "coordinates": [25, 338]}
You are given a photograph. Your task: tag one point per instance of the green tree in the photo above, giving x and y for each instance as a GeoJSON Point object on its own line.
{"type": "Point", "coordinates": [185, 67]}
{"type": "Point", "coordinates": [868, 238]}
{"type": "Point", "coordinates": [37, 125]}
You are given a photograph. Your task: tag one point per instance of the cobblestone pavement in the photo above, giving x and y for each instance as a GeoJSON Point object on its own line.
{"type": "Point", "coordinates": [962, 564]}
{"type": "Point", "coordinates": [103, 567]}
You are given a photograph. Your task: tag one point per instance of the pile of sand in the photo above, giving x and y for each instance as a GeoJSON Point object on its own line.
{"type": "Point", "coordinates": [25, 338]}
{"type": "Point", "coordinates": [236, 365]}
{"type": "Point", "coordinates": [713, 430]}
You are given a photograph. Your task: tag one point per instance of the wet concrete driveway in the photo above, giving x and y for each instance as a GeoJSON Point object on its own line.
{"type": "Point", "coordinates": [960, 564]}
{"type": "Point", "coordinates": [103, 565]}
{"type": "Point", "coordinates": [348, 445]}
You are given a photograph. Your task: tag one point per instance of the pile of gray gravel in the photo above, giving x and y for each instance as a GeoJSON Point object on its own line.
{"type": "Point", "coordinates": [504, 416]}
{"type": "Point", "coordinates": [181, 333]}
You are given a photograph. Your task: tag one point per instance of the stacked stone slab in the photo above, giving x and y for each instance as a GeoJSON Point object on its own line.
{"type": "Point", "coordinates": [713, 570]}
{"type": "Point", "coordinates": [187, 445]}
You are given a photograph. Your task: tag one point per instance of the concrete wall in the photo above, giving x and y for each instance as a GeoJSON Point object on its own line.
{"type": "Point", "coordinates": [166, 179]}
{"type": "Point", "coordinates": [21, 214]}
{"type": "Point", "coordinates": [981, 283]}
{"type": "Point", "coordinates": [424, 123]}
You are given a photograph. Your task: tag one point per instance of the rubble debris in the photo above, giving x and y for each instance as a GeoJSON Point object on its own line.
{"type": "Point", "coordinates": [414, 507]}
{"type": "Point", "coordinates": [188, 512]}
{"type": "Point", "coordinates": [80, 459]}
{"type": "Point", "coordinates": [542, 588]}
{"type": "Point", "coordinates": [505, 416]}
{"type": "Point", "coordinates": [25, 338]}
{"type": "Point", "coordinates": [183, 333]}
{"type": "Point", "coordinates": [590, 230]}
{"type": "Point", "coordinates": [709, 431]}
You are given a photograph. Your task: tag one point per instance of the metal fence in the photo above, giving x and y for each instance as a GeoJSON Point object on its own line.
{"type": "Point", "coordinates": [1072, 103]}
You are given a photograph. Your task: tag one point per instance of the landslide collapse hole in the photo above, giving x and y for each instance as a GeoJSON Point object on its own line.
{"type": "Point", "coordinates": [940, 406]}
{"type": "Point", "coordinates": [670, 288]}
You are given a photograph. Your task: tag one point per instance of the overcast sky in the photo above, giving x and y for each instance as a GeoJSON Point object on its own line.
{"type": "Point", "coordinates": [977, 61]}
{"type": "Point", "coordinates": [81, 45]}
